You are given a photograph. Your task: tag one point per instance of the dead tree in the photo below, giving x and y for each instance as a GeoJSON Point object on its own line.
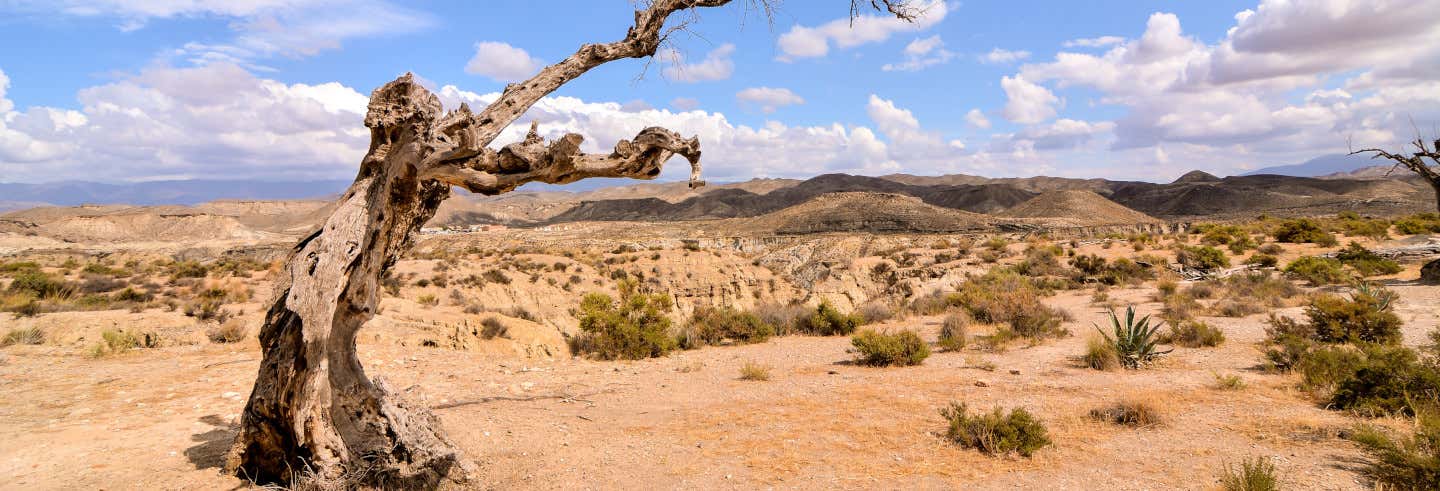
{"type": "Point", "coordinates": [313, 412]}
{"type": "Point", "coordinates": [1414, 162]}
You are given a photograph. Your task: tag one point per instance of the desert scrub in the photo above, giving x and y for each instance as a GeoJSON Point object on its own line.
{"type": "Point", "coordinates": [1365, 262]}
{"type": "Point", "coordinates": [875, 311]}
{"type": "Point", "coordinates": [428, 300]}
{"type": "Point", "coordinates": [23, 335]}
{"type": "Point", "coordinates": [41, 285]}
{"type": "Point", "coordinates": [1256, 474]}
{"type": "Point", "coordinates": [1423, 223]}
{"type": "Point", "coordinates": [1100, 354]}
{"type": "Point", "coordinates": [954, 331]}
{"type": "Point", "coordinates": [1318, 271]}
{"type": "Point", "coordinates": [1390, 380]}
{"type": "Point", "coordinates": [904, 348]}
{"type": "Point", "coordinates": [1203, 258]}
{"type": "Point", "coordinates": [714, 326]}
{"type": "Point", "coordinates": [188, 269]}
{"type": "Point", "coordinates": [1194, 334]}
{"type": "Point", "coordinates": [1404, 462]}
{"type": "Point", "coordinates": [1229, 382]}
{"type": "Point", "coordinates": [996, 432]}
{"type": "Point", "coordinates": [1004, 297]}
{"type": "Point", "coordinates": [115, 342]}
{"type": "Point", "coordinates": [785, 318]}
{"type": "Point", "coordinates": [1304, 231]}
{"type": "Point", "coordinates": [1364, 317]}
{"type": "Point", "coordinates": [1262, 260]}
{"type": "Point", "coordinates": [1131, 411]}
{"type": "Point", "coordinates": [1355, 226]}
{"type": "Point", "coordinates": [1135, 341]}
{"type": "Point", "coordinates": [754, 371]}
{"type": "Point", "coordinates": [633, 328]}
{"type": "Point", "coordinates": [232, 331]}
{"type": "Point", "coordinates": [826, 320]}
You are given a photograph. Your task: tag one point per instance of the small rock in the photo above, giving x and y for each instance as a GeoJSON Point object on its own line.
{"type": "Point", "coordinates": [832, 372]}
{"type": "Point", "coordinates": [1014, 372]}
{"type": "Point", "coordinates": [1430, 273]}
{"type": "Point", "coordinates": [981, 383]}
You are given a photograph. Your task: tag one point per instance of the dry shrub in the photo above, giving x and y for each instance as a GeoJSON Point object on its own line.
{"type": "Point", "coordinates": [785, 318]}
{"type": "Point", "coordinates": [996, 432]}
{"type": "Point", "coordinates": [754, 371]}
{"type": "Point", "coordinates": [633, 328]}
{"type": "Point", "coordinates": [230, 332]}
{"type": "Point", "coordinates": [1130, 411]}
{"type": "Point", "coordinates": [492, 328]}
{"type": "Point", "coordinates": [1194, 334]}
{"type": "Point", "coordinates": [714, 326]}
{"type": "Point", "coordinates": [1401, 461]}
{"type": "Point", "coordinates": [954, 331]}
{"type": "Point", "coordinates": [1256, 474]}
{"type": "Point", "coordinates": [876, 311]}
{"type": "Point", "coordinates": [1002, 297]}
{"type": "Point", "coordinates": [828, 321]}
{"type": "Point", "coordinates": [1229, 382]}
{"type": "Point", "coordinates": [428, 300]}
{"type": "Point", "coordinates": [23, 335]}
{"type": "Point", "coordinates": [904, 348]}
{"type": "Point", "coordinates": [1100, 354]}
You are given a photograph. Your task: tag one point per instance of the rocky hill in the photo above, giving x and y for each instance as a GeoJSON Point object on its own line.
{"type": "Point", "coordinates": [1078, 208]}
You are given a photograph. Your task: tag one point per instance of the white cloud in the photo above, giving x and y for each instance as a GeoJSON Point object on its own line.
{"type": "Point", "coordinates": [920, 54]}
{"type": "Point", "coordinates": [768, 99]}
{"type": "Point", "coordinates": [215, 121]}
{"type": "Point", "coordinates": [685, 103]}
{"type": "Point", "coordinates": [813, 42]}
{"type": "Point", "coordinates": [1064, 133]}
{"type": "Point", "coordinates": [1000, 56]}
{"type": "Point", "coordinates": [1236, 100]}
{"type": "Point", "coordinates": [717, 65]}
{"type": "Point", "coordinates": [502, 62]}
{"type": "Point", "coordinates": [261, 28]}
{"type": "Point", "coordinates": [977, 119]}
{"type": "Point", "coordinates": [1027, 102]}
{"type": "Point", "coordinates": [1095, 42]}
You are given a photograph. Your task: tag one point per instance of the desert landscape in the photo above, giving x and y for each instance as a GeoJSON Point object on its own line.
{"type": "Point", "coordinates": [329, 245]}
{"type": "Point", "coordinates": [139, 342]}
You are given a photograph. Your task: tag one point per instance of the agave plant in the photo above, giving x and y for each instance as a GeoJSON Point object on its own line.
{"type": "Point", "coordinates": [1136, 341]}
{"type": "Point", "coordinates": [1383, 297]}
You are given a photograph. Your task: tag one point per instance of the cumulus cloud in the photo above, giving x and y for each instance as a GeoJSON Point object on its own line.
{"type": "Point", "coordinates": [717, 65]}
{"type": "Point", "coordinates": [813, 42]}
{"type": "Point", "coordinates": [1238, 96]}
{"type": "Point", "coordinates": [921, 54]}
{"type": "Point", "coordinates": [1000, 56]}
{"type": "Point", "coordinates": [768, 99]}
{"type": "Point", "coordinates": [977, 119]}
{"type": "Point", "coordinates": [215, 121]}
{"type": "Point", "coordinates": [1026, 101]}
{"type": "Point", "coordinates": [502, 62]}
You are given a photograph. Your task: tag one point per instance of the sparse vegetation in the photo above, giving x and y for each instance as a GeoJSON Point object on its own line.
{"type": "Point", "coordinates": [754, 371]}
{"type": "Point", "coordinates": [1257, 474]}
{"type": "Point", "coordinates": [633, 328]}
{"type": "Point", "coordinates": [1100, 354]}
{"type": "Point", "coordinates": [826, 320]}
{"type": "Point", "coordinates": [1135, 341]}
{"type": "Point", "coordinates": [714, 326]}
{"type": "Point", "coordinates": [23, 335]}
{"type": "Point", "coordinates": [232, 331]}
{"type": "Point", "coordinates": [1406, 462]}
{"type": "Point", "coordinates": [1131, 411]}
{"type": "Point", "coordinates": [903, 348]}
{"type": "Point", "coordinates": [954, 331]}
{"type": "Point", "coordinates": [1304, 231]}
{"type": "Point", "coordinates": [996, 432]}
{"type": "Point", "coordinates": [1193, 334]}
{"type": "Point", "coordinates": [1365, 262]}
{"type": "Point", "coordinates": [1001, 297]}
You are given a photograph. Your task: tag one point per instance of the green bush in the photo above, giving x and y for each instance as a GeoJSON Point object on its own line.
{"type": "Point", "coordinates": [1322, 368]}
{"type": "Point", "coordinates": [188, 269]}
{"type": "Point", "coordinates": [1304, 231]}
{"type": "Point", "coordinates": [1251, 475]}
{"type": "Point", "coordinates": [1203, 258]}
{"type": "Point", "coordinates": [828, 321]}
{"type": "Point", "coordinates": [1194, 334]}
{"type": "Point", "coordinates": [1366, 262]}
{"type": "Point", "coordinates": [1004, 297]}
{"type": "Point", "coordinates": [713, 326]}
{"type": "Point", "coordinates": [1354, 226]}
{"type": "Point", "coordinates": [1407, 463]}
{"type": "Point", "coordinates": [41, 285]}
{"type": "Point", "coordinates": [1364, 317]}
{"type": "Point", "coordinates": [1134, 340]}
{"type": "Point", "coordinates": [1423, 223]}
{"type": "Point", "coordinates": [1263, 260]}
{"type": "Point", "coordinates": [1391, 380]}
{"type": "Point", "coordinates": [996, 432]}
{"type": "Point", "coordinates": [633, 328]}
{"type": "Point", "coordinates": [1318, 270]}
{"type": "Point", "coordinates": [904, 348]}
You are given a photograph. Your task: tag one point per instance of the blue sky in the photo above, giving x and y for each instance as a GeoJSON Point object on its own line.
{"type": "Point", "coordinates": [149, 89]}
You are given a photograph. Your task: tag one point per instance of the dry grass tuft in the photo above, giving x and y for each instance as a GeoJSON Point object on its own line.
{"type": "Point", "coordinates": [1138, 412]}
{"type": "Point", "coordinates": [754, 371]}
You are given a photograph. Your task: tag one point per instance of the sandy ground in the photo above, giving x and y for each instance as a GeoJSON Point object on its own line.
{"type": "Point", "coordinates": [162, 418]}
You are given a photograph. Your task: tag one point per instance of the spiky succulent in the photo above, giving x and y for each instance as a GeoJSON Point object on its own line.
{"type": "Point", "coordinates": [1135, 340]}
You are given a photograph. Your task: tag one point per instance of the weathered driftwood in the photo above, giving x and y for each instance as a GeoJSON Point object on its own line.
{"type": "Point", "coordinates": [1414, 162]}
{"type": "Point", "coordinates": [313, 412]}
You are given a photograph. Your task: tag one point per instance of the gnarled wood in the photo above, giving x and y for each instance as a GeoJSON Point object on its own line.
{"type": "Point", "coordinates": [1414, 162]}
{"type": "Point", "coordinates": [313, 412]}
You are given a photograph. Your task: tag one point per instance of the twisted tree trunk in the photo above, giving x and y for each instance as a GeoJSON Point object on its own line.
{"type": "Point", "coordinates": [313, 413]}
{"type": "Point", "coordinates": [1414, 162]}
